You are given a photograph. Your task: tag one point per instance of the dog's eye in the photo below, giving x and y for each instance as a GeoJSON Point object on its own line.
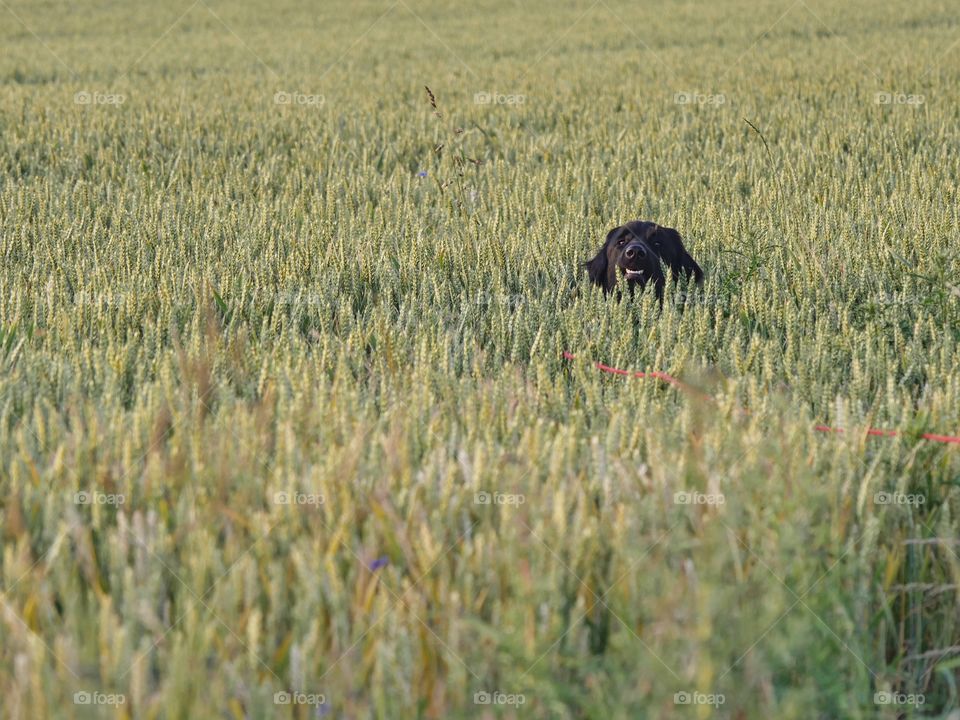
{"type": "Point", "coordinates": [622, 241]}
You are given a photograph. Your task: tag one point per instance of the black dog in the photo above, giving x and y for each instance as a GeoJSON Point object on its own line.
{"type": "Point", "coordinates": [626, 254]}
{"type": "Point", "coordinates": [635, 250]}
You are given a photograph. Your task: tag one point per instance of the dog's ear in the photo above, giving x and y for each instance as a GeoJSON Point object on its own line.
{"type": "Point", "coordinates": [597, 269]}
{"type": "Point", "coordinates": [668, 243]}
{"type": "Point", "coordinates": [690, 267]}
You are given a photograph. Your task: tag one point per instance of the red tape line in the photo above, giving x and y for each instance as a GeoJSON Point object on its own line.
{"type": "Point", "coordinates": [669, 379]}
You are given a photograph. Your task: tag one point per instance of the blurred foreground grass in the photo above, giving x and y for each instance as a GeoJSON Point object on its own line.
{"type": "Point", "coordinates": [282, 403]}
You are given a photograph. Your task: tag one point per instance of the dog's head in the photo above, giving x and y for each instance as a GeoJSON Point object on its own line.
{"type": "Point", "coordinates": [668, 245]}
{"type": "Point", "coordinates": [627, 255]}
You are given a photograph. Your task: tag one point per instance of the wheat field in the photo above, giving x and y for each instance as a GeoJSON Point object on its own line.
{"type": "Point", "coordinates": [286, 426]}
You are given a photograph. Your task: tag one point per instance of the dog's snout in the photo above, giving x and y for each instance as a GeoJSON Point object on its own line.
{"type": "Point", "coordinates": [635, 251]}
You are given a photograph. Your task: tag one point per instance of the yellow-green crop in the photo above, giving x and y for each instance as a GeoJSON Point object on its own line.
{"type": "Point", "coordinates": [285, 429]}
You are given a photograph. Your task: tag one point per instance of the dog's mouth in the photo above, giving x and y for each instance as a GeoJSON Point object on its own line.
{"type": "Point", "coordinates": [633, 274]}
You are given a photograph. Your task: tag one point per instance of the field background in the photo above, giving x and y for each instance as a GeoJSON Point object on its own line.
{"type": "Point", "coordinates": [209, 297]}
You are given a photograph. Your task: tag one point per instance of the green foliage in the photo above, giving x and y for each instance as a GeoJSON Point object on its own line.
{"type": "Point", "coordinates": [273, 328]}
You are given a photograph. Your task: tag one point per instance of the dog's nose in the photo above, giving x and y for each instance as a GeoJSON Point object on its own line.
{"type": "Point", "coordinates": [635, 251]}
